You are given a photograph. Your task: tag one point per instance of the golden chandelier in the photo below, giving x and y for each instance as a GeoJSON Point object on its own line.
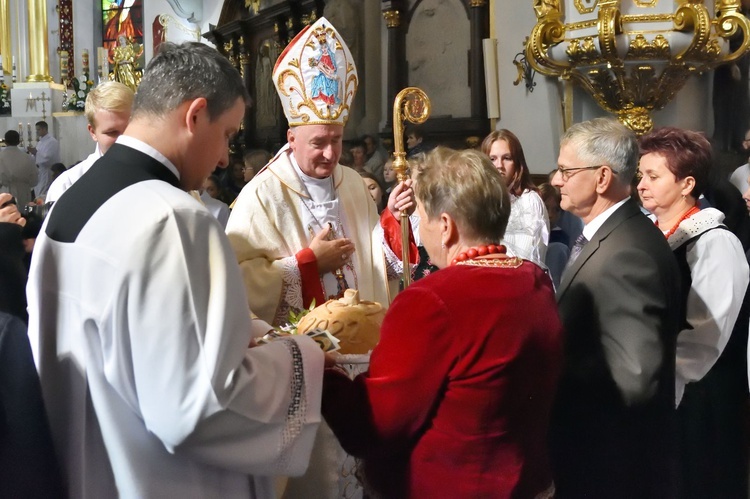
{"type": "Point", "coordinates": [633, 56]}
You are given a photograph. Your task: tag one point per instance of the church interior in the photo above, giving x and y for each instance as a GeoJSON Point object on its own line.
{"type": "Point", "coordinates": [428, 73]}
{"type": "Point", "coordinates": [494, 65]}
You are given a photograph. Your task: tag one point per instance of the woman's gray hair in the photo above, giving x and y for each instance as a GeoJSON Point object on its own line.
{"type": "Point", "coordinates": [179, 73]}
{"type": "Point", "coordinates": [605, 141]}
{"type": "Point", "coordinates": [466, 185]}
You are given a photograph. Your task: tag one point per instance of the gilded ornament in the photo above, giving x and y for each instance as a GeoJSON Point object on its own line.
{"type": "Point", "coordinates": [545, 8]}
{"type": "Point", "coordinates": [586, 52]}
{"type": "Point", "coordinates": [477, 3]}
{"type": "Point", "coordinates": [586, 6]}
{"type": "Point", "coordinates": [392, 18]}
{"type": "Point", "coordinates": [640, 48]}
{"type": "Point", "coordinates": [651, 71]}
{"type": "Point", "coordinates": [411, 104]}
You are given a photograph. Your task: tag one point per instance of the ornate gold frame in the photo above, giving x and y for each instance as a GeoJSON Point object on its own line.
{"type": "Point", "coordinates": [651, 72]}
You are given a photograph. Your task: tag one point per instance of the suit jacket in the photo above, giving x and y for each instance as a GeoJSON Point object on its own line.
{"type": "Point", "coordinates": [612, 425]}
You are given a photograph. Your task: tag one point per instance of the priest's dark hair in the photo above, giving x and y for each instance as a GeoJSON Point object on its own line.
{"type": "Point", "coordinates": [12, 138]}
{"type": "Point", "coordinates": [178, 73]}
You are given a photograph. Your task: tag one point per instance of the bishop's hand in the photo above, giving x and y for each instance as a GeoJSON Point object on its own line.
{"type": "Point", "coordinates": [330, 254]}
{"type": "Point", "coordinates": [402, 198]}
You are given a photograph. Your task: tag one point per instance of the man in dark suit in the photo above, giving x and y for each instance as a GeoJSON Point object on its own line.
{"type": "Point", "coordinates": [612, 425]}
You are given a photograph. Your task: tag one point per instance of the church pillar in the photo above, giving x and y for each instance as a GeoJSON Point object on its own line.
{"type": "Point", "coordinates": [479, 30]}
{"type": "Point", "coordinates": [38, 42]}
{"type": "Point", "coordinates": [5, 47]}
{"type": "Point", "coordinates": [396, 56]}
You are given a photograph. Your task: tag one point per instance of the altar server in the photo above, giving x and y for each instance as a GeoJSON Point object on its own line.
{"type": "Point", "coordinates": [138, 318]}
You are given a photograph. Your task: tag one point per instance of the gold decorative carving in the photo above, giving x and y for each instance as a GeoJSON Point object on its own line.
{"type": "Point", "coordinates": [392, 18]}
{"type": "Point", "coordinates": [651, 72]}
{"type": "Point", "coordinates": [166, 20]}
{"type": "Point", "coordinates": [640, 48]}
{"type": "Point", "coordinates": [585, 9]}
{"type": "Point", "coordinates": [477, 3]}
{"type": "Point", "coordinates": [546, 7]}
{"type": "Point", "coordinates": [586, 52]}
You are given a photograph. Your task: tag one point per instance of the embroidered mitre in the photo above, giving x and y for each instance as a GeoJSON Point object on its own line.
{"type": "Point", "coordinates": [315, 77]}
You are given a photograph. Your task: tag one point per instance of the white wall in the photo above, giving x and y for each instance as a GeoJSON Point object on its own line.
{"type": "Point", "coordinates": [535, 117]}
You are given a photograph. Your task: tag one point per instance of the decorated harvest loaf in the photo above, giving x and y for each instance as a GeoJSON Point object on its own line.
{"type": "Point", "coordinates": [356, 324]}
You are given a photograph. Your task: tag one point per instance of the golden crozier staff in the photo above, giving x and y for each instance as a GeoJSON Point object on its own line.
{"type": "Point", "coordinates": [411, 104]}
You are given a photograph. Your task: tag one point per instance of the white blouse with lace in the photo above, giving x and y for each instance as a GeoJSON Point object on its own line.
{"type": "Point", "coordinates": [527, 234]}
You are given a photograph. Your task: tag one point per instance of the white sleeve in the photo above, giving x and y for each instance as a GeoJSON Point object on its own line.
{"type": "Point", "coordinates": [527, 233]}
{"type": "Point", "coordinates": [719, 273]}
{"type": "Point", "coordinates": [195, 383]}
{"type": "Point", "coordinates": [58, 187]}
{"type": "Point", "coordinates": [48, 153]}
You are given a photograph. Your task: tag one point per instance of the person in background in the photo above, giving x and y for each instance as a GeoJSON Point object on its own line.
{"type": "Point", "coordinates": [13, 271]}
{"type": "Point", "coordinates": [740, 177]}
{"type": "Point", "coordinates": [375, 189]}
{"type": "Point", "coordinates": [215, 206]}
{"type": "Point", "coordinates": [389, 176]}
{"type": "Point", "coordinates": [711, 386]}
{"type": "Point", "coordinates": [376, 156]}
{"type": "Point", "coordinates": [558, 249]}
{"type": "Point", "coordinates": [254, 160]}
{"type": "Point", "coordinates": [138, 319]}
{"type": "Point", "coordinates": [415, 144]}
{"type": "Point", "coordinates": [455, 403]}
{"type": "Point", "coordinates": [57, 170]}
{"type": "Point", "coordinates": [359, 155]}
{"type": "Point", "coordinates": [46, 153]}
{"type": "Point", "coordinates": [613, 421]}
{"type": "Point", "coordinates": [107, 111]}
{"type": "Point", "coordinates": [527, 234]}
{"type": "Point", "coordinates": [746, 196]}
{"type": "Point", "coordinates": [233, 179]}
{"type": "Point", "coordinates": [346, 158]}
{"type": "Point", "coordinates": [18, 173]}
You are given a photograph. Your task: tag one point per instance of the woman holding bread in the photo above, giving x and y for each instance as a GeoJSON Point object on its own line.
{"type": "Point", "coordinates": [456, 402]}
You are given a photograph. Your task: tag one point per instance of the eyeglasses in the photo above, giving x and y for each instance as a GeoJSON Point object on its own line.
{"type": "Point", "coordinates": [566, 173]}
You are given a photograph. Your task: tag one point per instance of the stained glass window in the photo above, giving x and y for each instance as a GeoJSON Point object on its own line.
{"type": "Point", "coordinates": [121, 19]}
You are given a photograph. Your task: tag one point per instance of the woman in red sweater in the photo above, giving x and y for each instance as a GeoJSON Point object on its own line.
{"type": "Point", "coordinates": [457, 398]}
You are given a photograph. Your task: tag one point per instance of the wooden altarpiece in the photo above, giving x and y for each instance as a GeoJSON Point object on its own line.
{"type": "Point", "coordinates": [252, 43]}
{"type": "Point", "coordinates": [451, 131]}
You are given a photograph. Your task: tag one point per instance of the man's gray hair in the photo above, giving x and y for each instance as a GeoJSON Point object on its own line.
{"type": "Point", "coordinates": [178, 73]}
{"type": "Point", "coordinates": [605, 141]}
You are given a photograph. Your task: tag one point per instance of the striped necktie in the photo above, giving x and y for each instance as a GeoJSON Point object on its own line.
{"type": "Point", "coordinates": [576, 250]}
